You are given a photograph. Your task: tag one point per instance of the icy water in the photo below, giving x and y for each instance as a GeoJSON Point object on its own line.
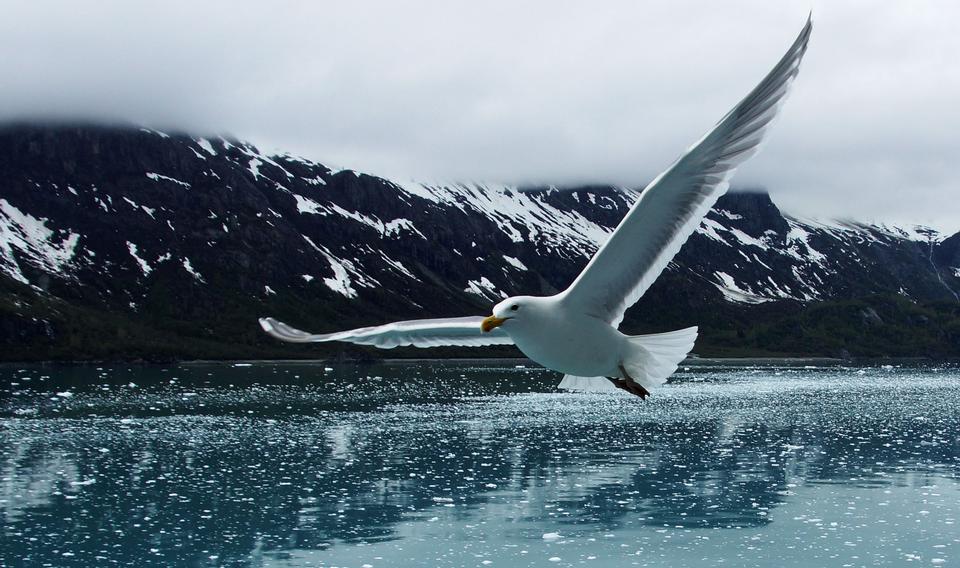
{"type": "Point", "coordinates": [447, 464]}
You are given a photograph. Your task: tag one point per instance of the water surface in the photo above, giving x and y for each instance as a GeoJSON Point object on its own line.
{"type": "Point", "coordinates": [453, 464]}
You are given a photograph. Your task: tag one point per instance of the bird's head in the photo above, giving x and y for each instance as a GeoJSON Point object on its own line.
{"type": "Point", "coordinates": [515, 308]}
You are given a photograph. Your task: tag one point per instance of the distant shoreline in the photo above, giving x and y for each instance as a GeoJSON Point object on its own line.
{"type": "Point", "coordinates": [690, 362]}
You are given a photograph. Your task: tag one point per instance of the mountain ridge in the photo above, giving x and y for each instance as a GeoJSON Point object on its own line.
{"type": "Point", "coordinates": [121, 232]}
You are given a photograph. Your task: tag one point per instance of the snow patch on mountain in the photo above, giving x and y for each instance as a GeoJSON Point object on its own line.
{"type": "Point", "coordinates": [29, 236]}
{"type": "Point", "coordinates": [158, 177]}
{"type": "Point", "coordinates": [257, 159]}
{"type": "Point", "coordinates": [523, 216]}
{"type": "Point", "coordinates": [306, 205]}
{"type": "Point", "coordinates": [191, 271]}
{"type": "Point", "coordinates": [345, 273]}
{"type": "Point", "coordinates": [399, 267]}
{"type": "Point", "coordinates": [422, 191]}
{"type": "Point", "coordinates": [396, 226]}
{"type": "Point", "coordinates": [800, 236]}
{"type": "Point", "coordinates": [485, 289]}
{"type": "Point", "coordinates": [206, 146]}
{"type": "Point", "coordinates": [340, 282]}
{"type": "Point", "coordinates": [144, 265]}
{"type": "Point", "coordinates": [515, 262]}
{"type": "Point", "coordinates": [734, 293]}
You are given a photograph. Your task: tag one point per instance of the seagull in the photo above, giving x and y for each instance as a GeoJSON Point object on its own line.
{"type": "Point", "coordinates": [576, 331]}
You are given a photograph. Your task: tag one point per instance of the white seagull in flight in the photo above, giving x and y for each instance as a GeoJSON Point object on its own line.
{"type": "Point", "coordinates": [575, 332]}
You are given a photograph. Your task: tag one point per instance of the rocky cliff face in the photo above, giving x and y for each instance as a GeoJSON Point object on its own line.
{"type": "Point", "coordinates": [116, 239]}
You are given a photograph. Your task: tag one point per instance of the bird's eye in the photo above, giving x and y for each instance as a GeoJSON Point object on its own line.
{"type": "Point", "coordinates": [514, 308]}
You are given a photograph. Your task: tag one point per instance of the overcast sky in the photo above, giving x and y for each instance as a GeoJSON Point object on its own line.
{"type": "Point", "coordinates": [533, 92]}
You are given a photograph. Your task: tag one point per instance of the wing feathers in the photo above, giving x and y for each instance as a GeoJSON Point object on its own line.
{"type": "Point", "coordinates": [463, 331]}
{"type": "Point", "coordinates": [672, 206]}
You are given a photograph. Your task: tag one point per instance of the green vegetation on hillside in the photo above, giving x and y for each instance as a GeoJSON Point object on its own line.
{"type": "Point", "coordinates": [876, 326]}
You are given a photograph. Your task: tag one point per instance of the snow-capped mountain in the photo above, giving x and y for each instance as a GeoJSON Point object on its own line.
{"type": "Point", "coordinates": [145, 237]}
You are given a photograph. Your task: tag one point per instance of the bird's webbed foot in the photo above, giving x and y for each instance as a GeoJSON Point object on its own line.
{"type": "Point", "coordinates": [628, 384]}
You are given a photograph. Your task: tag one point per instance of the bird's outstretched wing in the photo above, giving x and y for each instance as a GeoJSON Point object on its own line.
{"type": "Point", "coordinates": [672, 205]}
{"type": "Point", "coordinates": [418, 333]}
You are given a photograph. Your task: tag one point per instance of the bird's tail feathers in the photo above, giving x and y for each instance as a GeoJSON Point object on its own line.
{"type": "Point", "coordinates": [651, 359]}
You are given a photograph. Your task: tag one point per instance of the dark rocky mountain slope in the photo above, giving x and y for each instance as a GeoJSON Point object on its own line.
{"type": "Point", "coordinates": [132, 243]}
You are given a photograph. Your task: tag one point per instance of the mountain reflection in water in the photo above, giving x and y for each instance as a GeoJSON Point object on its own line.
{"type": "Point", "coordinates": [298, 465]}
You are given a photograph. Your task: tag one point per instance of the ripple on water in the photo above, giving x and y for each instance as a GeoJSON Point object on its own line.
{"type": "Point", "coordinates": [295, 465]}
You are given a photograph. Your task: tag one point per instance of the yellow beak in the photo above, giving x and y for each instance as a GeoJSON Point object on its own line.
{"type": "Point", "coordinates": [491, 322]}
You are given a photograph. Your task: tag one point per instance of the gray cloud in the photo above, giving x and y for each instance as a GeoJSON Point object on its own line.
{"type": "Point", "coordinates": [533, 92]}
